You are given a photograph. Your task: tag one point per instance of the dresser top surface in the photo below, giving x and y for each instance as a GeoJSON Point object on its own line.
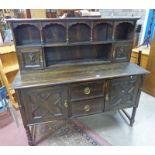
{"type": "Point", "coordinates": [76, 73]}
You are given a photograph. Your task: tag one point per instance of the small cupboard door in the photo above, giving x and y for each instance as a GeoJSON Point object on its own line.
{"type": "Point", "coordinates": [30, 58]}
{"type": "Point", "coordinates": [123, 92]}
{"type": "Point", "coordinates": [44, 104]}
{"type": "Point", "coordinates": [122, 52]}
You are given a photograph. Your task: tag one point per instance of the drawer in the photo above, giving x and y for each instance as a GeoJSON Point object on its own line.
{"type": "Point", "coordinates": [79, 108]}
{"type": "Point", "coordinates": [86, 90]}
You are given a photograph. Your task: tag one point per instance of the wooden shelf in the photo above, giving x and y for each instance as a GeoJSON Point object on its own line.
{"type": "Point", "coordinates": [9, 64]}
{"type": "Point", "coordinates": [7, 48]}
{"type": "Point", "coordinates": [73, 44]}
{"type": "Point", "coordinates": [28, 45]}
{"type": "Point", "coordinates": [79, 62]}
{"type": "Point", "coordinates": [11, 68]}
{"type": "Point", "coordinates": [145, 50]}
{"type": "Point", "coordinates": [77, 43]}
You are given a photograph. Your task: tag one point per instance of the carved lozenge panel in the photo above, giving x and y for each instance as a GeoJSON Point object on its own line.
{"type": "Point", "coordinates": [45, 103]}
{"type": "Point", "coordinates": [122, 92]}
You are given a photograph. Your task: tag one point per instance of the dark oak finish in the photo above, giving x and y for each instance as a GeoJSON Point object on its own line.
{"type": "Point", "coordinates": [77, 73]}
{"type": "Point", "coordinates": [86, 90]}
{"type": "Point", "coordinates": [81, 108]}
{"type": "Point", "coordinates": [80, 39]}
{"type": "Point", "coordinates": [123, 91]}
{"type": "Point", "coordinates": [74, 67]}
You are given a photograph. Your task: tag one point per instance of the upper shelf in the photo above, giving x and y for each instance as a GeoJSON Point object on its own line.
{"type": "Point", "coordinates": [74, 44]}
{"type": "Point", "coordinates": [68, 31]}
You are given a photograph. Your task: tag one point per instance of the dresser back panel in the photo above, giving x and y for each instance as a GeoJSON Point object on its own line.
{"type": "Point", "coordinates": [54, 55]}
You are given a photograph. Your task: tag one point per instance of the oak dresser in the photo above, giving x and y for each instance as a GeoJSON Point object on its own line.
{"type": "Point", "coordinates": [74, 67]}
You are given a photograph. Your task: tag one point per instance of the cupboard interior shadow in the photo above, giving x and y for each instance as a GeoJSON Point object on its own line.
{"type": "Point", "coordinates": [102, 32]}
{"type": "Point", "coordinates": [84, 53]}
{"type": "Point", "coordinates": [79, 32]}
{"type": "Point", "coordinates": [54, 33]}
{"type": "Point", "coordinates": [27, 34]}
{"type": "Point", "coordinates": [124, 31]}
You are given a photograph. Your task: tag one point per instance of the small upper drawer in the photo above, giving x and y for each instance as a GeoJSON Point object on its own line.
{"type": "Point", "coordinates": [86, 90]}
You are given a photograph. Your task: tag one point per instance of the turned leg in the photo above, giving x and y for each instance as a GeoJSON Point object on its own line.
{"type": "Point", "coordinates": [132, 119]}
{"type": "Point", "coordinates": [29, 136]}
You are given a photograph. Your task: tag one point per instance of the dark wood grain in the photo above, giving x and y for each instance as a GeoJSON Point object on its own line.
{"type": "Point", "coordinates": [102, 31]}
{"type": "Point", "coordinates": [56, 55]}
{"type": "Point", "coordinates": [44, 103]}
{"type": "Point", "coordinates": [80, 108]}
{"type": "Point", "coordinates": [78, 39]}
{"type": "Point", "coordinates": [122, 52]}
{"type": "Point", "coordinates": [31, 34]}
{"type": "Point", "coordinates": [74, 67]}
{"type": "Point", "coordinates": [122, 92]}
{"type": "Point", "coordinates": [30, 58]}
{"type": "Point", "coordinates": [78, 91]}
{"type": "Point", "coordinates": [76, 73]}
{"type": "Point", "coordinates": [79, 32]}
{"type": "Point", "coordinates": [54, 33]}
{"type": "Point", "coordinates": [124, 31]}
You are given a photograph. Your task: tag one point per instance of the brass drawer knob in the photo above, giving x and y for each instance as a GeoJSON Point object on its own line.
{"type": "Point", "coordinates": [66, 104]}
{"type": "Point", "coordinates": [86, 90]}
{"type": "Point", "coordinates": [86, 108]}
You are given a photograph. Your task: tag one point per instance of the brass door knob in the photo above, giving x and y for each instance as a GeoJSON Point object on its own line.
{"type": "Point", "coordinates": [107, 97]}
{"type": "Point", "coordinates": [66, 104]}
{"type": "Point", "coordinates": [86, 90]}
{"type": "Point", "coordinates": [86, 108]}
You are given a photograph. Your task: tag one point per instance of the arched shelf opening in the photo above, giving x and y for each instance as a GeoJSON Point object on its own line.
{"type": "Point", "coordinates": [54, 33]}
{"type": "Point", "coordinates": [27, 34]}
{"type": "Point", "coordinates": [124, 31]}
{"type": "Point", "coordinates": [79, 32]}
{"type": "Point", "coordinates": [102, 32]}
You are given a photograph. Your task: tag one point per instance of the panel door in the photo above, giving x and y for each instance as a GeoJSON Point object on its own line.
{"type": "Point", "coordinates": [122, 52]}
{"type": "Point", "coordinates": [44, 104]}
{"type": "Point", "coordinates": [30, 58]}
{"type": "Point", "coordinates": [123, 92]}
